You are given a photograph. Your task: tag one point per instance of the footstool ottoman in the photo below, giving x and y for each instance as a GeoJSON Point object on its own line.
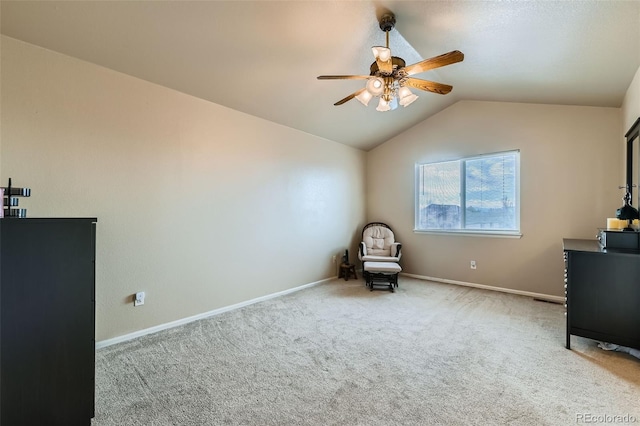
{"type": "Point", "coordinates": [381, 273]}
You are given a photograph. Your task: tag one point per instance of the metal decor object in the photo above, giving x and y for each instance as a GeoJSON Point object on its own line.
{"type": "Point", "coordinates": [10, 201]}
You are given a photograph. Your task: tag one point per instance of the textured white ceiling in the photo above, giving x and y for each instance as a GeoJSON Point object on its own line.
{"type": "Point", "coordinates": [263, 57]}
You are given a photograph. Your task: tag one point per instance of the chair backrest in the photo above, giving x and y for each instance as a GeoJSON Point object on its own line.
{"type": "Point", "coordinates": [378, 237]}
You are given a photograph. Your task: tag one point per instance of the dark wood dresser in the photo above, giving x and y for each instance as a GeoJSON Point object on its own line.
{"type": "Point", "coordinates": [47, 321]}
{"type": "Point", "coordinates": [602, 287]}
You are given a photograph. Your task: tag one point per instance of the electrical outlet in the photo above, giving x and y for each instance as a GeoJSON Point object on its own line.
{"type": "Point", "coordinates": [334, 258]}
{"type": "Point", "coordinates": [473, 264]}
{"type": "Point", "coordinates": [139, 298]}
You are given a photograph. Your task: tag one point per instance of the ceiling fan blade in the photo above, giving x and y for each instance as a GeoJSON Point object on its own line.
{"type": "Point", "coordinates": [435, 62]}
{"type": "Point", "coordinates": [348, 98]}
{"type": "Point", "coordinates": [343, 77]}
{"type": "Point", "coordinates": [429, 86]}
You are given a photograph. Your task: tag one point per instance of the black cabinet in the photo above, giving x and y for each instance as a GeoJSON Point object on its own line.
{"type": "Point", "coordinates": [47, 321]}
{"type": "Point", "coordinates": [602, 293]}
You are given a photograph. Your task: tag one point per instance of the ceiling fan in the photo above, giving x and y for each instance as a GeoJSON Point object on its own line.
{"type": "Point", "coordinates": [390, 78]}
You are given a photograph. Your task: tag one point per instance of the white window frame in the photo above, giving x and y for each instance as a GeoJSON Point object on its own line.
{"type": "Point", "coordinates": [470, 232]}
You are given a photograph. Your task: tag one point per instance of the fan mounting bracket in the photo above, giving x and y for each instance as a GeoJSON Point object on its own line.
{"type": "Point", "coordinates": [387, 22]}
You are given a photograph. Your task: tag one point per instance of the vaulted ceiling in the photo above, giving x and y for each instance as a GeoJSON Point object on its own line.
{"type": "Point", "coordinates": [263, 57]}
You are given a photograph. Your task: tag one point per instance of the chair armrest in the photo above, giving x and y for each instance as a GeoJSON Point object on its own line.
{"type": "Point", "coordinates": [362, 250]}
{"type": "Point", "coordinates": [396, 250]}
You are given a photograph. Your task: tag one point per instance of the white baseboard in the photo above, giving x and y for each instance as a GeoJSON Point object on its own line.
{"type": "Point", "coordinates": [182, 321]}
{"type": "Point", "coordinates": [547, 297]}
{"type": "Point", "coordinates": [155, 329]}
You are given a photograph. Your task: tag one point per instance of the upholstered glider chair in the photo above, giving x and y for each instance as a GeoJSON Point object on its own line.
{"type": "Point", "coordinates": [379, 244]}
{"type": "Point", "coordinates": [380, 255]}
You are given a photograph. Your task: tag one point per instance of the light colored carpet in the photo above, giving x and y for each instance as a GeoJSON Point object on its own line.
{"type": "Point", "coordinates": [338, 354]}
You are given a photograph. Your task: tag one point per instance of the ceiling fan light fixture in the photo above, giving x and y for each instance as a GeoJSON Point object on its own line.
{"type": "Point", "coordinates": [383, 105]}
{"type": "Point", "coordinates": [364, 97]}
{"type": "Point", "coordinates": [389, 75]}
{"type": "Point", "coordinates": [382, 53]}
{"type": "Point", "coordinates": [375, 86]}
{"type": "Point", "coordinates": [407, 97]}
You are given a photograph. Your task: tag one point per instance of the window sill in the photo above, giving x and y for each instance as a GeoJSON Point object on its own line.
{"type": "Point", "coordinates": [471, 233]}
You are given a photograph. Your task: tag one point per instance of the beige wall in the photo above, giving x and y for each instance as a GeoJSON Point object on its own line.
{"type": "Point", "coordinates": [570, 160]}
{"type": "Point", "coordinates": [198, 205]}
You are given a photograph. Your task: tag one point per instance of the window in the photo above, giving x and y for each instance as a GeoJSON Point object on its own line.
{"type": "Point", "coordinates": [471, 195]}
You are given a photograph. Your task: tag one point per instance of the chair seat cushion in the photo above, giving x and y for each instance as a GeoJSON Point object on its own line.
{"type": "Point", "coordinates": [369, 258]}
{"type": "Point", "coordinates": [382, 267]}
